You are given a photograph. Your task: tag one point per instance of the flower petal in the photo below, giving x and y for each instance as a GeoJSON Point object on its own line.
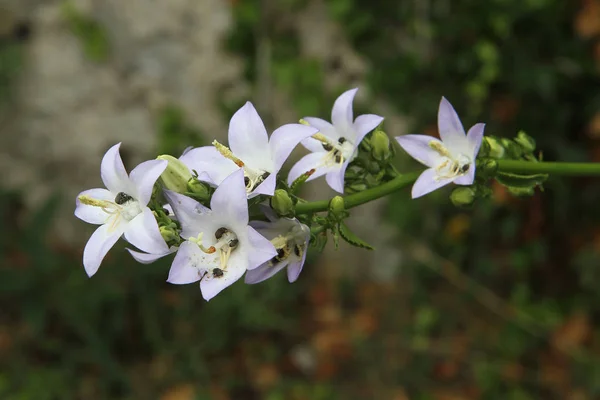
{"type": "Point", "coordinates": [113, 171]}
{"type": "Point", "coordinates": [266, 187]}
{"type": "Point", "coordinates": [144, 176]}
{"type": "Point", "coordinates": [263, 272]}
{"type": "Point", "coordinates": [146, 258]}
{"type": "Point", "coordinates": [451, 129]}
{"type": "Point", "coordinates": [184, 268]}
{"type": "Point", "coordinates": [188, 212]}
{"type": "Point", "coordinates": [428, 182]}
{"type": "Point", "coordinates": [92, 214]}
{"type": "Point", "coordinates": [143, 233]}
{"type": "Point", "coordinates": [335, 178]}
{"type": "Point", "coordinates": [468, 178]}
{"type": "Point", "coordinates": [475, 136]}
{"type": "Point", "coordinates": [262, 250]}
{"type": "Point", "coordinates": [341, 113]}
{"type": "Point", "coordinates": [365, 124]}
{"type": "Point", "coordinates": [207, 160]}
{"type": "Point", "coordinates": [231, 199]}
{"type": "Point", "coordinates": [417, 146]}
{"type": "Point", "coordinates": [294, 269]}
{"type": "Point", "coordinates": [305, 164]}
{"type": "Point", "coordinates": [212, 286]}
{"type": "Point", "coordinates": [248, 138]}
{"type": "Point", "coordinates": [324, 128]}
{"type": "Point", "coordinates": [285, 139]}
{"type": "Point", "coordinates": [101, 241]}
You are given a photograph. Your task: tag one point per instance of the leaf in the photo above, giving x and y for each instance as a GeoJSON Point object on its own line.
{"type": "Point", "coordinates": [521, 181]}
{"type": "Point", "coordinates": [295, 187]}
{"type": "Point", "coordinates": [351, 238]}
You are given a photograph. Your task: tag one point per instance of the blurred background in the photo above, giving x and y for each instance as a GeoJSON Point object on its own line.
{"type": "Point", "coordinates": [498, 302]}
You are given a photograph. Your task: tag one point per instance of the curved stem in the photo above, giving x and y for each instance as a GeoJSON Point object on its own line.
{"type": "Point", "coordinates": [363, 197]}
{"type": "Point", "coordinates": [557, 168]}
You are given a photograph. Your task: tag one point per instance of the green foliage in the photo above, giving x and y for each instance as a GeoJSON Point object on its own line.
{"type": "Point", "coordinates": [91, 34]}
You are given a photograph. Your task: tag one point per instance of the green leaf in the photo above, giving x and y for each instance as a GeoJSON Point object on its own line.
{"type": "Point", "coordinates": [295, 186]}
{"type": "Point", "coordinates": [351, 238]}
{"type": "Point", "coordinates": [520, 181]}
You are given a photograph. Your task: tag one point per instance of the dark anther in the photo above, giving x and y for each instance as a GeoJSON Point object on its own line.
{"type": "Point", "coordinates": [233, 243]}
{"type": "Point", "coordinates": [341, 140]}
{"type": "Point", "coordinates": [220, 232]}
{"type": "Point", "coordinates": [265, 175]}
{"type": "Point", "coordinates": [338, 158]}
{"type": "Point", "coordinates": [280, 254]}
{"type": "Point", "coordinates": [122, 198]}
{"type": "Point", "coordinates": [464, 168]}
{"type": "Point", "coordinates": [297, 251]}
{"type": "Point", "coordinates": [217, 272]}
{"type": "Point", "coordinates": [327, 146]}
{"type": "Point", "coordinates": [166, 211]}
{"type": "Point", "coordinates": [246, 181]}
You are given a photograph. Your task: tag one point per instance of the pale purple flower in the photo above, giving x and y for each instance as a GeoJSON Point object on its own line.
{"type": "Point", "coordinates": [262, 157]}
{"type": "Point", "coordinates": [450, 160]}
{"type": "Point", "coordinates": [290, 238]}
{"type": "Point", "coordinates": [121, 209]}
{"type": "Point", "coordinates": [338, 142]}
{"type": "Point", "coordinates": [220, 245]}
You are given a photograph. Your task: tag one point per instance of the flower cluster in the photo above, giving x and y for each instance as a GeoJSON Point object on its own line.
{"type": "Point", "coordinates": [225, 211]}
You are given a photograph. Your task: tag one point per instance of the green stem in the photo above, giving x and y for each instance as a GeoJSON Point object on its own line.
{"type": "Point", "coordinates": [556, 168]}
{"type": "Point", "coordinates": [363, 197]}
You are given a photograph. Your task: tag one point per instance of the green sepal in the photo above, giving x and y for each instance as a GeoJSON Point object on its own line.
{"type": "Point", "coordinates": [295, 186]}
{"type": "Point", "coordinates": [351, 238]}
{"type": "Point", "coordinates": [511, 180]}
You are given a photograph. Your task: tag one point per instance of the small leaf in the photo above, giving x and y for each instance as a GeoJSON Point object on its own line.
{"type": "Point", "coordinates": [295, 187]}
{"type": "Point", "coordinates": [520, 181]}
{"type": "Point", "coordinates": [351, 238]}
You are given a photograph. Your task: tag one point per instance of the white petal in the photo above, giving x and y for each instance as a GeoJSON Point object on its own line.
{"type": "Point", "coordinates": [261, 250]}
{"type": "Point", "coordinates": [266, 187]}
{"type": "Point", "coordinates": [305, 164]}
{"type": "Point", "coordinates": [231, 199]}
{"type": "Point", "coordinates": [146, 258]}
{"type": "Point", "coordinates": [101, 241]}
{"type": "Point", "coordinates": [294, 269]}
{"type": "Point", "coordinates": [143, 233]}
{"type": "Point", "coordinates": [207, 160]}
{"type": "Point", "coordinates": [428, 182]}
{"type": "Point", "coordinates": [475, 136]}
{"type": "Point", "coordinates": [113, 172]}
{"type": "Point", "coordinates": [188, 212]}
{"type": "Point", "coordinates": [417, 146]}
{"type": "Point", "coordinates": [468, 178]}
{"type": "Point", "coordinates": [335, 178]}
{"type": "Point", "coordinates": [450, 128]}
{"type": "Point", "coordinates": [144, 176]}
{"type": "Point", "coordinates": [211, 286]}
{"type": "Point", "coordinates": [285, 139]}
{"type": "Point", "coordinates": [324, 128]}
{"type": "Point", "coordinates": [248, 138]}
{"type": "Point", "coordinates": [363, 125]}
{"type": "Point", "coordinates": [341, 114]}
{"type": "Point", "coordinates": [263, 272]}
{"type": "Point", "coordinates": [92, 214]}
{"type": "Point", "coordinates": [185, 268]}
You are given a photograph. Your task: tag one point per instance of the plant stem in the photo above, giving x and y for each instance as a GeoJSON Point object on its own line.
{"type": "Point", "coordinates": [363, 197]}
{"type": "Point", "coordinates": [556, 168]}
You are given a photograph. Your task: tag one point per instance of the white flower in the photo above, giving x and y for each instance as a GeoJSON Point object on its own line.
{"type": "Point", "coordinates": [219, 245]}
{"type": "Point", "coordinates": [120, 209]}
{"type": "Point", "coordinates": [260, 157]}
{"type": "Point", "coordinates": [450, 160]}
{"type": "Point", "coordinates": [337, 144]}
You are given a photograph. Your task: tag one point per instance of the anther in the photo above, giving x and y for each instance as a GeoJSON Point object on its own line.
{"type": "Point", "coordinates": [341, 140]}
{"type": "Point", "coordinates": [217, 272]}
{"type": "Point", "coordinates": [233, 243]}
{"type": "Point", "coordinates": [220, 232]}
{"type": "Point", "coordinates": [122, 198]}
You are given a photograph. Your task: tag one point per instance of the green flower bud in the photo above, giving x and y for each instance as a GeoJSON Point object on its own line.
{"type": "Point", "coordinates": [200, 190]}
{"type": "Point", "coordinates": [380, 143]}
{"type": "Point", "coordinates": [176, 176]}
{"type": "Point", "coordinates": [484, 149]}
{"type": "Point", "coordinates": [526, 142]}
{"type": "Point", "coordinates": [337, 207]}
{"type": "Point", "coordinates": [462, 196]}
{"type": "Point", "coordinates": [496, 148]}
{"type": "Point", "coordinates": [373, 168]}
{"type": "Point", "coordinates": [169, 234]}
{"type": "Point", "coordinates": [357, 187]}
{"type": "Point", "coordinates": [282, 203]}
{"type": "Point", "coordinates": [513, 149]}
{"type": "Point", "coordinates": [489, 166]}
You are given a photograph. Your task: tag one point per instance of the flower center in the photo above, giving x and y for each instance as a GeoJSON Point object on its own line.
{"type": "Point", "coordinates": [337, 152]}
{"type": "Point", "coordinates": [252, 177]}
{"type": "Point", "coordinates": [450, 166]}
{"type": "Point", "coordinates": [227, 242]}
{"type": "Point", "coordinates": [290, 245]}
{"type": "Point", "coordinates": [123, 207]}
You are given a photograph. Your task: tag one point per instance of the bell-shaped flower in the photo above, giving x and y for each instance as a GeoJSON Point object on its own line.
{"type": "Point", "coordinates": [121, 209]}
{"type": "Point", "coordinates": [290, 238]}
{"type": "Point", "coordinates": [260, 157]}
{"type": "Point", "coordinates": [450, 160]}
{"type": "Point", "coordinates": [219, 244]}
{"type": "Point", "coordinates": [336, 145]}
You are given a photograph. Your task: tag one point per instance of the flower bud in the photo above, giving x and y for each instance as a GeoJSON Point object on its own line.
{"type": "Point", "coordinates": [176, 175]}
{"type": "Point", "coordinates": [513, 149]}
{"type": "Point", "coordinates": [380, 143]}
{"type": "Point", "coordinates": [496, 149]}
{"type": "Point", "coordinates": [484, 149]}
{"type": "Point", "coordinates": [200, 189]}
{"type": "Point", "coordinates": [169, 234]}
{"type": "Point", "coordinates": [337, 207]}
{"type": "Point", "coordinates": [462, 196]}
{"type": "Point", "coordinates": [526, 142]}
{"type": "Point", "coordinates": [489, 166]}
{"type": "Point", "coordinates": [282, 203]}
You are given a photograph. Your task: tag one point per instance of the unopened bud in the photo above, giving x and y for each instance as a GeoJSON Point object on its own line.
{"type": "Point", "coordinates": [337, 207]}
{"type": "Point", "coordinates": [513, 149]}
{"type": "Point", "coordinates": [176, 175]}
{"type": "Point", "coordinates": [489, 166]}
{"type": "Point", "coordinates": [462, 196]}
{"type": "Point", "coordinates": [200, 189]}
{"type": "Point", "coordinates": [169, 234]}
{"type": "Point", "coordinates": [282, 203]}
{"type": "Point", "coordinates": [496, 149]}
{"type": "Point", "coordinates": [380, 143]}
{"type": "Point", "coordinates": [526, 142]}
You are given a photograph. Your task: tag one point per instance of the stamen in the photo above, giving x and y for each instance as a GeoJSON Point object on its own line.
{"type": "Point", "coordinates": [440, 148]}
{"type": "Point", "coordinates": [225, 152]}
